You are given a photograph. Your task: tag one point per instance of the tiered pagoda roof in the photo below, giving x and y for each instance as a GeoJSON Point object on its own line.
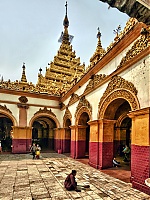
{"type": "Point", "coordinates": [65, 68]}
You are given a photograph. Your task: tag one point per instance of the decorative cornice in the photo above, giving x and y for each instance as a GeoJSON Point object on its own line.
{"type": "Point", "coordinates": [74, 98]}
{"type": "Point", "coordinates": [95, 80]}
{"type": "Point", "coordinates": [83, 103]}
{"type": "Point", "coordinates": [140, 45]}
{"type": "Point", "coordinates": [44, 110]}
{"type": "Point", "coordinates": [5, 109]}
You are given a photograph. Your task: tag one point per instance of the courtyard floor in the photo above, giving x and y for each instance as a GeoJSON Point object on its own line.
{"type": "Point", "coordinates": [22, 178]}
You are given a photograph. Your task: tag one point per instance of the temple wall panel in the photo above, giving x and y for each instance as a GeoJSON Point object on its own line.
{"type": "Point", "coordinates": [139, 75]}
{"type": "Point", "coordinates": [112, 65]}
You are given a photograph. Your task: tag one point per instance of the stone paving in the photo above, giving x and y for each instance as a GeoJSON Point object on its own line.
{"type": "Point", "coordinates": [22, 178]}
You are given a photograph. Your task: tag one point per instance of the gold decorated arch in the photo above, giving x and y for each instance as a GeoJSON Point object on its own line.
{"type": "Point", "coordinates": [5, 111]}
{"type": "Point", "coordinates": [83, 110]}
{"type": "Point", "coordinates": [67, 116]}
{"type": "Point", "coordinates": [124, 94]}
{"type": "Point", "coordinates": [44, 113]}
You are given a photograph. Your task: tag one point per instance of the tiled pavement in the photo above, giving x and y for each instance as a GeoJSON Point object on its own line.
{"type": "Point", "coordinates": [22, 178]}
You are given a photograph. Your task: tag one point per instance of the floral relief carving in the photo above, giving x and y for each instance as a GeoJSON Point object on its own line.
{"type": "Point", "coordinates": [74, 98]}
{"type": "Point", "coordinates": [45, 110]}
{"type": "Point", "coordinates": [83, 103]}
{"type": "Point", "coordinates": [96, 79]}
{"type": "Point", "coordinates": [5, 109]}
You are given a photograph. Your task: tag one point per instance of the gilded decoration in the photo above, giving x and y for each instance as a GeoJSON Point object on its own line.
{"type": "Point", "coordinates": [83, 103]}
{"type": "Point", "coordinates": [142, 43]}
{"type": "Point", "coordinates": [61, 74]}
{"type": "Point", "coordinates": [74, 98]}
{"type": "Point", "coordinates": [67, 115]}
{"type": "Point", "coordinates": [94, 81]}
{"type": "Point", "coordinates": [5, 108]}
{"type": "Point", "coordinates": [118, 88]}
{"type": "Point", "coordinates": [129, 25]}
{"type": "Point", "coordinates": [99, 52]}
{"type": "Point", "coordinates": [45, 110]}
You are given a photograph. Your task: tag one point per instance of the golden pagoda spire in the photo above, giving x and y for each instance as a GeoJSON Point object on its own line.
{"type": "Point", "coordinates": [23, 78]}
{"type": "Point", "coordinates": [65, 67]}
{"type": "Point", "coordinates": [99, 53]}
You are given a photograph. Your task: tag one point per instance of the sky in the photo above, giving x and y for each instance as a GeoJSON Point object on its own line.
{"type": "Point", "coordinates": [30, 29]}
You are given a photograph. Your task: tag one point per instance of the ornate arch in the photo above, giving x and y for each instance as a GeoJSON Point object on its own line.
{"type": "Point", "coordinates": [118, 88]}
{"type": "Point", "coordinates": [67, 115]}
{"type": "Point", "coordinates": [83, 106]}
{"type": "Point", "coordinates": [5, 111]}
{"type": "Point", "coordinates": [44, 113]}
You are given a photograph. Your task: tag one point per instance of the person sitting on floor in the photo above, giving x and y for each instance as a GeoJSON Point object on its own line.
{"type": "Point", "coordinates": [70, 182]}
{"type": "Point", "coordinates": [116, 163]}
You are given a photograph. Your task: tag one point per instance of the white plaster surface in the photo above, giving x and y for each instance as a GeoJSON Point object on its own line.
{"type": "Point", "coordinates": [139, 75]}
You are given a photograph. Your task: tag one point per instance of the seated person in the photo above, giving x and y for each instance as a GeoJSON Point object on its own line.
{"type": "Point", "coordinates": [70, 182]}
{"type": "Point", "coordinates": [116, 163]}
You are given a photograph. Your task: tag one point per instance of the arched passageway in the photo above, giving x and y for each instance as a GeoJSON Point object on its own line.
{"type": "Point", "coordinates": [84, 132]}
{"type": "Point", "coordinates": [6, 133]}
{"type": "Point", "coordinates": [43, 132]}
{"type": "Point", "coordinates": [120, 132]}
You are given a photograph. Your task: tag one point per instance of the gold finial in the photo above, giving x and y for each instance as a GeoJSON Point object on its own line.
{"type": "Point", "coordinates": [66, 21]}
{"type": "Point", "coordinates": [66, 7]}
{"type": "Point", "coordinates": [117, 30]}
{"type": "Point", "coordinates": [23, 79]}
{"type": "Point", "coordinates": [99, 34]}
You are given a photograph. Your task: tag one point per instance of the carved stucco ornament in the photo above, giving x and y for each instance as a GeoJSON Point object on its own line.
{"type": "Point", "coordinates": [142, 43]}
{"type": "Point", "coordinates": [83, 103]}
{"type": "Point", "coordinates": [74, 98]}
{"type": "Point", "coordinates": [67, 115]}
{"type": "Point", "coordinates": [23, 99]}
{"type": "Point", "coordinates": [118, 88]}
{"type": "Point", "coordinates": [45, 110]}
{"type": "Point", "coordinates": [5, 109]}
{"type": "Point", "coordinates": [96, 79]}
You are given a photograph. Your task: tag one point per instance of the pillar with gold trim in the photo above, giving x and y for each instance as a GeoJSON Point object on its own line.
{"type": "Point", "coordinates": [140, 149]}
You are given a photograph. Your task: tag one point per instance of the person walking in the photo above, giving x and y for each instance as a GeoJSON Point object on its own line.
{"type": "Point", "coordinates": [33, 150]}
{"type": "Point", "coordinates": [38, 151]}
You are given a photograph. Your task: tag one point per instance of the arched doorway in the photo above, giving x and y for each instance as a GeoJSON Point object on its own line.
{"type": "Point", "coordinates": [117, 112]}
{"type": "Point", "coordinates": [67, 139]}
{"type": "Point", "coordinates": [83, 121]}
{"type": "Point", "coordinates": [6, 133]}
{"type": "Point", "coordinates": [43, 132]}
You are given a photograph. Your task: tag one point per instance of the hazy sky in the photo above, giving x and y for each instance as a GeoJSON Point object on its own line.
{"type": "Point", "coordinates": [30, 29]}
